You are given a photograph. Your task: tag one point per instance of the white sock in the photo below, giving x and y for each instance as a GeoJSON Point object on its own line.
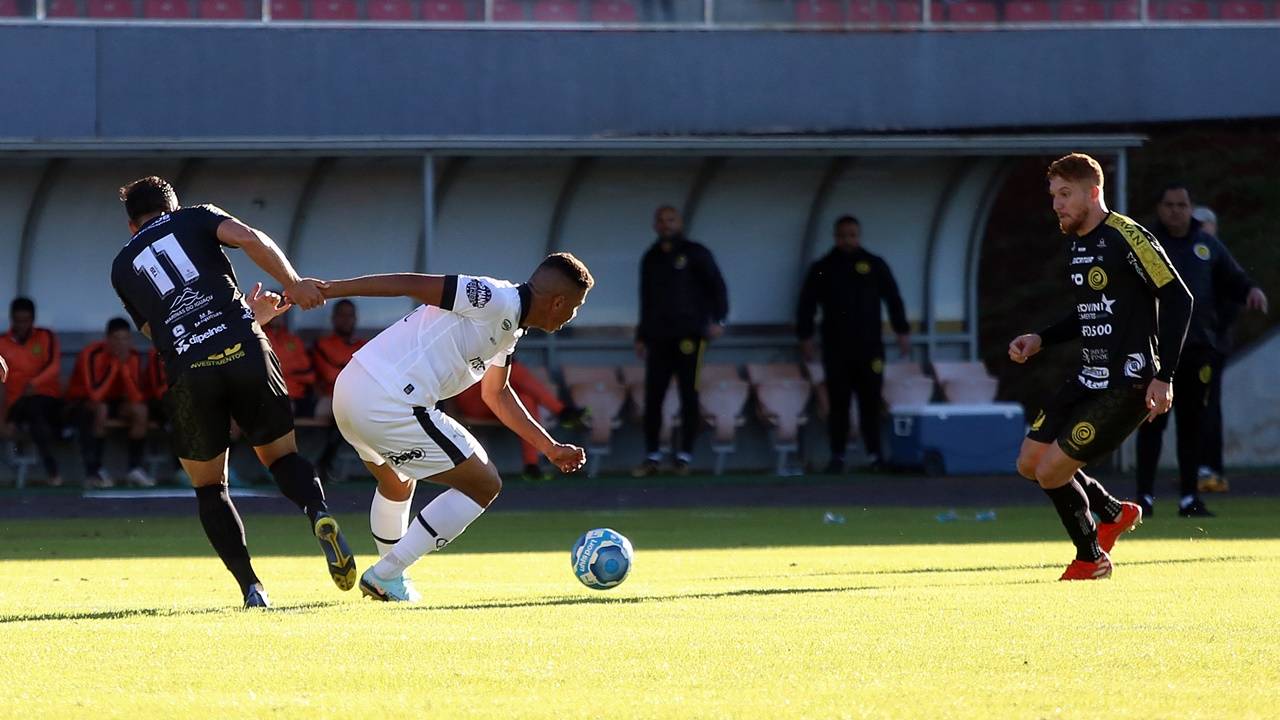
{"type": "Point", "coordinates": [1186, 501]}
{"type": "Point", "coordinates": [442, 520]}
{"type": "Point", "coordinates": [387, 521]}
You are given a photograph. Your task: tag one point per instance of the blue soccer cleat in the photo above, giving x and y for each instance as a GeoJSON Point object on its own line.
{"type": "Point", "coordinates": [256, 597]}
{"type": "Point", "coordinates": [397, 589]}
{"type": "Point", "coordinates": [342, 564]}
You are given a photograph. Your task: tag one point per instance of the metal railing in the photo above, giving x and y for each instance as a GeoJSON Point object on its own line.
{"type": "Point", "coordinates": [780, 15]}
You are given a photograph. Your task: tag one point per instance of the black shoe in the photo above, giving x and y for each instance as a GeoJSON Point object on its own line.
{"type": "Point", "coordinates": [573, 418]}
{"type": "Point", "coordinates": [535, 472]}
{"type": "Point", "coordinates": [1195, 509]}
{"type": "Point", "coordinates": [1148, 505]}
{"type": "Point", "coordinates": [337, 554]}
{"type": "Point", "coordinates": [648, 468]}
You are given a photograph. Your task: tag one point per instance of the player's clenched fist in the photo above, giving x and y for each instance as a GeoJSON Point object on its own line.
{"type": "Point", "coordinates": [1023, 347]}
{"type": "Point", "coordinates": [305, 293]}
{"type": "Point", "coordinates": [568, 458]}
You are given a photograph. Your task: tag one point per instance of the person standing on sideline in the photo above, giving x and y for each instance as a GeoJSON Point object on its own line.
{"type": "Point", "coordinates": [850, 284]}
{"type": "Point", "coordinates": [1214, 277]}
{"type": "Point", "coordinates": [683, 305]}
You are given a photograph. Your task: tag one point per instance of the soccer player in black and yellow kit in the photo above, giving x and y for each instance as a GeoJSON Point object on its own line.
{"type": "Point", "coordinates": [1131, 314]}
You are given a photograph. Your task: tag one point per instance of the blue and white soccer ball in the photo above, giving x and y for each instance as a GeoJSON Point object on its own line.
{"type": "Point", "coordinates": [601, 558]}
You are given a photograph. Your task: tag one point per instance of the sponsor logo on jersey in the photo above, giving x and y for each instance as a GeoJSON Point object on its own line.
{"type": "Point", "coordinates": [506, 325]}
{"type": "Point", "coordinates": [179, 330]}
{"type": "Point", "coordinates": [1083, 259]}
{"type": "Point", "coordinates": [1202, 251]}
{"type": "Point", "coordinates": [1144, 250]}
{"type": "Point", "coordinates": [1097, 278]}
{"type": "Point", "coordinates": [477, 364]}
{"type": "Point", "coordinates": [478, 294]}
{"type": "Point", "coordinates": [186, 343]}
{"type": "Point", "coordinates": [1095, 310]}
{"type": "Point", "coordinates": [400, 457]}
{"type": "Point", "coordinates": [187, 302]}
{"type": "Point", "coordinates": [1083, 433]}
{"type": "Point", "coordinates": [1134, 364]}
{"type": "Point", "coordinates": [1095, 356]}
{"type": "Point", "coordinates": [1095, 384]}
{"type": "Point", "coordinates": [235, 352]}
{"type": "Point", "coordinates": [1094, 371]}
{"type": "Point", "coordinates": [1099, 330]}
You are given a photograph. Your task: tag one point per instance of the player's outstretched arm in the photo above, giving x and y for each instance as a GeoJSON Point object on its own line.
{"type": "Point", "coordinates": [496, 390]}
{"type": "Point", "coordinates": [428, 289]}
{"type": "Point", "coordinates": [264, 252]}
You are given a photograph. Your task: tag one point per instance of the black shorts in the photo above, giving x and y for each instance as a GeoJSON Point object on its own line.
{"type": "Point", "coordinates": [242, 382]}
{"type": "Point", "coordinates": [1088, 424]}
{"type": "Point", "coordinates": [30, 409]}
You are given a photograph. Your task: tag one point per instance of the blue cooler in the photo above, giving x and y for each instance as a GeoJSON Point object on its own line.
{"type": "Point", "coordinates": [944, 439]}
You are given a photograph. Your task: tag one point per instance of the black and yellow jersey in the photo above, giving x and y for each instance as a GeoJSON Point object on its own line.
{"type": "Point", "coordinates": [1131, 306]}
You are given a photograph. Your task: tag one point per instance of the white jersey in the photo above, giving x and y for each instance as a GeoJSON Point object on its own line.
{"type": "Point", "coordinates": [434, 353]}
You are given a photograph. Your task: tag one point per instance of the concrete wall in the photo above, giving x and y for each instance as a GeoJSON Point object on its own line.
{"type": "Point", "coordinates": [130, 81]}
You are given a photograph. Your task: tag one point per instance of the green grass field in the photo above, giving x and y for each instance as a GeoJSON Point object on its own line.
{"type": "Point", "coordinates": [761, 613]}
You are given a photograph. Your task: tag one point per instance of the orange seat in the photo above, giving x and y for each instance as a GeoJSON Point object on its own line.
{"type": "Point", "coordinates": [603, 400]}
{"type": "Point", "coordinates": [722, 402]}
{"type": "Point", "coordinates": [781, 404]}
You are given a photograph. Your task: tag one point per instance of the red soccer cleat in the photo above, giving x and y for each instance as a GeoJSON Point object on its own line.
{"type": "Point", "coordinates": [1085, 570]}
{"type": "Point", "coordinates": [1130, 518]}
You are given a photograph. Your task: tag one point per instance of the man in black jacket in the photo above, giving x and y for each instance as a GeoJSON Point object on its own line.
{"type": "Point", "coordinates": [683, 304]}
{"type": "Point", "coordinates": [850, 284]}
{"type": "Point", "coordinates": [1213, 277]}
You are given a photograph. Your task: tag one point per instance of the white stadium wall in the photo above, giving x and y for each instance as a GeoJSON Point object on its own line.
{"type": "Point", "coordinates": [1250, 396]}
{"type": "Point", "coordinates": [18, 185]}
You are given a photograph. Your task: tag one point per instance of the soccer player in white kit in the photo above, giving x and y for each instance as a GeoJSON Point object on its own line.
{"type": "Point", "coordinates": [384, 401]}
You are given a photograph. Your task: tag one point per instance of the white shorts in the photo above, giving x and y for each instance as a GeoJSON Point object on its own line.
{"type": "Point", "coordinates": [418, 442]}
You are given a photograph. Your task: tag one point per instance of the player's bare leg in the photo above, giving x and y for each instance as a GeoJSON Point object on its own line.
{"type": "Point", "coordinates": [1055, 472]}
{"type": "Point", "coordinates": [222, 524]}
{"type": "Point", "coordinates": [137, 416]}
{"type": "Point", "coordinates": [298, 481]}
{"type": "Point", "coordinates": [473, 485]}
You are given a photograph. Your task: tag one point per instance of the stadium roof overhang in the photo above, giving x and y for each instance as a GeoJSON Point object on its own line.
{"type": "Point", "coordinates": [749, 145]}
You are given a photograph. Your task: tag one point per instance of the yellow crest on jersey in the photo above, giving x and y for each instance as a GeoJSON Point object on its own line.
{"type": "Point", "coordinates": [1202, 251]}
{"type": "Point", "coordinates": [1097, 278]}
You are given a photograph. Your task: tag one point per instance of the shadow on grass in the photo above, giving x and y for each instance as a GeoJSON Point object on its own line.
{"type": "Point", "coordinates": [126, 613]}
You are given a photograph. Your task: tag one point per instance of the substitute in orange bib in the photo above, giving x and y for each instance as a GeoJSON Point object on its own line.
{"type": "Point", "coordinates": [30, 397]}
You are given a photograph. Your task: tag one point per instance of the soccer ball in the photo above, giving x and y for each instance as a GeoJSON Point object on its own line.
{"type": "Point", "coordinates": [601, 558]}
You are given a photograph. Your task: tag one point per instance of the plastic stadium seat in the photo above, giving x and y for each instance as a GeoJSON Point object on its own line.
{"type": "Point", "coordinates": [287, 10]}
{"type": "Point", "coordinates": [599, 391]}
{"type": "Point", "coordinates": [972, 12]}
{"type": "Point", "coordinates": [718, 371]}
{"type": "Point", "coordinates": [62, 8]}
{"type": "Point", "coordinates": [1081, 11]}
{"type": "Point", "coordinates": [389, 10]}
{"type": "Point", "coordinates": [906, 384]}
{"type": "Point", "coordinates": [443, 11]}
{"type": "Point", "coordinates": [761, 372]}
{"type": "Point", "coordinates": [558, 11]}
{"type": "Point", "coordinates": [166, 9]}
{"type": "Point", "coordinates": [8, 8]}
{"type": "Point", "coordinates": [895, 370]}
{"type": "Point", "coordinates": [870, 12]}
{"type": "Point", "coordinates": [905, 11]}
{"type": "Point", "coordinates": [224, 10]}
{"type": "Point", "coordinates": [583, 374]}
{"type": "Point", "coordinates": [1125, 10]}
{"type": "Point", "coordinates": [334, 10]}
{"type": "Point", "coordinates": [508, 11]}
{"type": "Point", "coordinates": [781, 404]}
{"type": "Point", "coordinates": [1027, 11]}
{"type": "Point", "coordinates": [947, 371]}
{"type": "Point", "coordinates": [819, 12]}
{"type": "Point", "coordinates": [614, 11]}
{"type": "Point", "coordinates": [110, 9]}
{"type": "Point", "coordinates": [970, 390]}
{"type": "Point", "coordinates": [722, 401]}
{"type": "Point", "coordinates": [1243, 10]}
{"type": "Point", "coordinates": [1182, 10]}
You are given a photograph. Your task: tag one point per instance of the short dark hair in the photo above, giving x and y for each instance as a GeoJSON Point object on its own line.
{"type": "Point", "coordinates": [118, 323]}
{"type": "Point", "coordinates": [1175, 185]}
{"type": "Point", "coordinates": [844, 220]}
{"type": "Point", "coordinates": [569, 267]}
{"type": "Point", "coordinates": [148, 195]}
{"type": "Point", "coordinates": [343, 303]}
{"type": "Point", "coordinates": [21, 304]}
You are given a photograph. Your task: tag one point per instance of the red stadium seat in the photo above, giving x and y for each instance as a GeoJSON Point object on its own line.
{"type": "Point", "coordinates": [1181, 10]}
{"type": "Point", "coordinates": [390, 10]}
{"type": "Point", "coordinates": [614, 11]}
{"type": "Point", "coordinates": [1243, 10]}
{"type": "Point", "coordinates": [8, 8]}
{"type": "Point", "coordinates": [1125, 10]}
{"type": "Point", "coordinates": [225, 10]}
{"type": "Point", "coordinates": [62, 8]}
{"type": "Point", "coordinates": [972, 12]}
{"type": "Point", "coordinates": [166, 9]}
{"type": "Point", "coordinates": [334, 10]}
{"type": "Point", "coordinates": [508, 11]}
{"type": "Point", "coordinates": [444, 11]}
{"type": "Point", "coordinates": [110, 9]}
{"type": "Point", "coordinates": [905, 11]}
{"type": "Point", "coordinates": [819, 12]}
{"type": "Point", "coordinates": [870, 12]}
{"type": "Point", "coordinates": [559, 11]}
{"type": "Point", "coordinates": [1028, 11]}
{"type": "Point", "coordinates": [1081, 11]}
{"type": "Point", "coordinates": [287, 10]}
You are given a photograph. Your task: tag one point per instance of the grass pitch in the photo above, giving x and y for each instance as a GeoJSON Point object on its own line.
{"type": "Point", "coordinates": [732, 613]}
